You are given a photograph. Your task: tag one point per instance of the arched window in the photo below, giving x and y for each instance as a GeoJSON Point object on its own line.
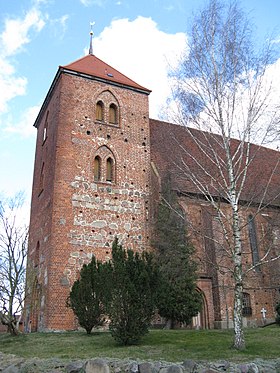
{"type": "Point", "coordinates": [109, 169]}
{"type": "Point", "coordinates": [246, 305]}
{"type": "Point", "coordinates": [113, 114]}
{"type": "Point", "coordinates": [100, 111]}
{"type": "Point", "coordinates": [97, 168]}
{"type": "Point", "coordinates": [253, 241]}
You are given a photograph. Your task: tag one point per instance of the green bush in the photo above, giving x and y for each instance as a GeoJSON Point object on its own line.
{"type": "Point", "coordinates": [135, 282]}
{"type": "Point", "coordinates": [90, 294]}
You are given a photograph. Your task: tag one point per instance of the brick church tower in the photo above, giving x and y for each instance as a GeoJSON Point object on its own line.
{"type": "Point", "coordinates": [91, 182]}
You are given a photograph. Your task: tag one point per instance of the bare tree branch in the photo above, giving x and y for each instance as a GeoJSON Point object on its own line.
{"type": "Point", "coordinates": [13, 251]}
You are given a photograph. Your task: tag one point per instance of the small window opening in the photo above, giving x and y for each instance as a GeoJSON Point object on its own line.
{"type": "Point", "coordinates": [97, 168]}
{"type": "Point", "coordinates": [253, 241]}
{"type": "Point", "coordinates": [46, 125]}
{"type": "Point", "coordinates": [37, 255]}
{"type": "Point", "coordinates": [109, 169]}
{"type": "Point", "coordinates": [246, 305]}
{"type": "Point", "coordinates": [99, 111]}
{"type": "Point", "coordinates": [113, 114]}
{"type": "Point", "coordinates": [42, 177]}
{"type": "Point", "coordinates": [45, 133]}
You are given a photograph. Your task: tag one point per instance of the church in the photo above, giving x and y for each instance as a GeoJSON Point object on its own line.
{"type": "Point", "coordinates": [99, 164]}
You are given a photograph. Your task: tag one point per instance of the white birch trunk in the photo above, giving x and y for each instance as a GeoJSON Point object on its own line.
{"type": "Point", "coordinates": [239, 340]}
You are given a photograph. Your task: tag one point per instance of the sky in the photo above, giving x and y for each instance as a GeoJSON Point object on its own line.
{"type": "Point", "coordinates": [140, 38]}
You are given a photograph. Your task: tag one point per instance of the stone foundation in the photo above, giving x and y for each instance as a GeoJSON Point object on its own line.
{"type": "Point", "coordinates": [11, 363]}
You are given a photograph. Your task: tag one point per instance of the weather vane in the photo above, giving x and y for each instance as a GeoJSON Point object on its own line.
{"type": "Point", "coordinates": [91, 35]}
{"type": "Point", "coordinates": [91, 27]}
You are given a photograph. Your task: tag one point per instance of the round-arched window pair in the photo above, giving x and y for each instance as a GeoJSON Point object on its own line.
{"type": "Point", "coordinates": [109, 172]}
{"type": "Point", "coordinates": [113, 113]}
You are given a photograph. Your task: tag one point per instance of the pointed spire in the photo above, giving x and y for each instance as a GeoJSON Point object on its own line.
{"type": "Point", "coordinates": [91, 36]}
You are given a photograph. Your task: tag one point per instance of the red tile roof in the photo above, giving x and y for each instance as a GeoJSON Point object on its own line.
{"type": "Point", "coordinates": [93, 66]}
{"type": "Point", "coordinates": [173, 147]}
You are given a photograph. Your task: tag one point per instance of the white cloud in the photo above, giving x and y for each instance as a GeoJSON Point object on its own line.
{"type": "Point", "coordinates": [100, 3]}
{"type": "Point", "coordinates": [39, 2]}
{"type": "Point", "coordinates": [15, 35]}
{"type": "Point", "coordinates": [16, 32]}
{"type": "Point", "coordinates": [276, 41]}
{"type": "Point", "coordinates": [141, 51]}
{"type": "Point", "coordinates": [169, 8]}
{"type": "Point", "coordinates": [24, 126]}
{"type": "Point", "coordinates": [10, 87]}
{"type": "Point", "coordinates": [59, 26]}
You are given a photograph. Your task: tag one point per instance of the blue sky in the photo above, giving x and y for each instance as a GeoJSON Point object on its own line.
{"type": "Point", "coordinates": [141, 38]}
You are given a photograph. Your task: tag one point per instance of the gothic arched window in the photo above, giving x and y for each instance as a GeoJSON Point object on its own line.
{"type": "Point", "coordinates": [253, 241]}
{"type": "Point", "coordinates": [97, 168]}
{"type": "Point", "coordinates": [99, 111]}
{"type": "Point", "coordinates": [104, 165]}
{"type": "Point", "coordinates": [113, 114]}
{"type": "Point", "coordinates": [109, 169]}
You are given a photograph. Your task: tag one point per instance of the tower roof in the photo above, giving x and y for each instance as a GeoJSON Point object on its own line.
{"type": "Point", "coordinates": [92, 66]}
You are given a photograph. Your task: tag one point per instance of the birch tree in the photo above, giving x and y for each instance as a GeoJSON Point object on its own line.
{"type": "Point", "coordinates": [13, 251]}
{"type": "Point", "coordinates": [222, 89]}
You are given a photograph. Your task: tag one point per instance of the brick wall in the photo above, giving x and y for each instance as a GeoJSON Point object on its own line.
{"type": "Point", "coordinates": [74, 216]}
{"type": "Point", "coordinates": [262, 285]}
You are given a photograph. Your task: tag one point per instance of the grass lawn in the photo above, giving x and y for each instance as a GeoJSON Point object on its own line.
{"type": "Point", "coordinates": [167, 345]}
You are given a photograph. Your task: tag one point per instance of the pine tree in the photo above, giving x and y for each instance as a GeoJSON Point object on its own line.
{"type": "Point", "coordinates": [178, 299]}
{"type": "Point", "coordinates": [135, 280]}
{"type": "Point", "coordinates": [90, 294]}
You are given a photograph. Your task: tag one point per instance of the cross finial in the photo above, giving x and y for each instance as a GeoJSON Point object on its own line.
{"type": "Point", "coordinates": [91, 35]}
